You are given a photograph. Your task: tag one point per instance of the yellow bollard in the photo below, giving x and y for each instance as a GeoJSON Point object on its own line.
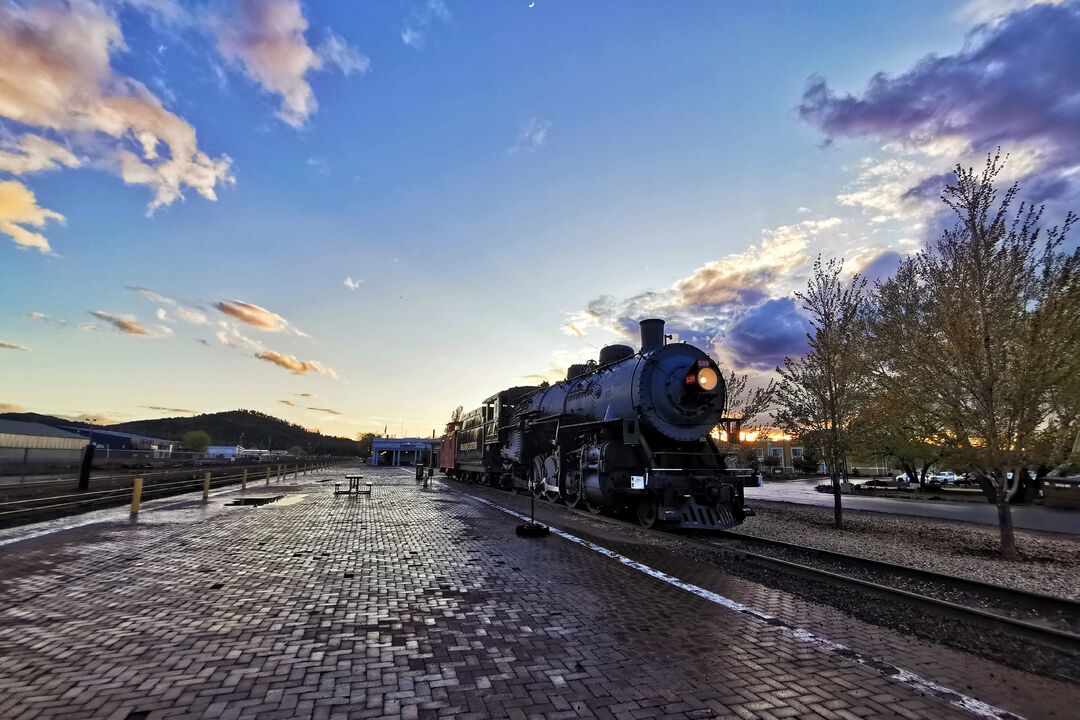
{"type": "Point", "coordinates": [206, 487]}
{"type": "Point", "coordinates": [243, 480]}
{"type": "Point", "coordinates": [136, 496]}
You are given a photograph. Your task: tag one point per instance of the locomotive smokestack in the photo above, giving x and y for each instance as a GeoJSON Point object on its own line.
{"type": "Point", "coordinates": [652, 334]}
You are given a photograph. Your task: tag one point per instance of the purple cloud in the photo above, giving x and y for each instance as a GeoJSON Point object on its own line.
{"type": "Point", "coordinates": [761, 337]}
{"type": "Point", "coordinates": [1014, 84]}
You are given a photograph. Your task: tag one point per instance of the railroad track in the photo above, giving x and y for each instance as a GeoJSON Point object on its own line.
{"type": "Point", "coordinates": [1044, 619]}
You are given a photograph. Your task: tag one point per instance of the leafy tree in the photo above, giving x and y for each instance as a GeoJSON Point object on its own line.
{"type": "Point", "coordinates": [742, 407]}
{"type": "Point", "coordinates": [366, 442]}
{"type": "Point", "coordinates": [196, 440]}
{"type": "Point", "coordinates": [822, 392]}
{"type": "Point", "coordinates": [992, 308]}
{"type": "Point", "coordinates": [296, 450]}
{"type": "Point", "coordinates": [459, 412]}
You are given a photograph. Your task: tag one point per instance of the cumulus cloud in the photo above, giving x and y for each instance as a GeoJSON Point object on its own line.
{"type": "Point", "coordinates": [421, 17]}
{"type": "Point", "coordinates": [256, 316]}
{"type": "Point", "coordinates": [762, 336]}
{"type": "Point", "coordinates": [1013, 84]}
{"type": "Point", "coordinates": [33, 153]}
{"type": "Point", "coordinates": [300, 367]}
{"type": "Point", "coordinates": [267, 39]}
{"type": "Point", "coordinates": [57, 76]}
{"type": "Point", "coordinates": [739, 306]}
{"type": "Point", "coordinates": [12, 346]}
{"type": "Point", "coordinates": [19, 209]}
{"type": "Point", "coordinates": [353, 284]}
{"type": "Point", "coordinates": [124, 323]}
{"type": "Point", "coordinates": [749, 276]}
{"type": "Point", "coordinates": [532, 136]}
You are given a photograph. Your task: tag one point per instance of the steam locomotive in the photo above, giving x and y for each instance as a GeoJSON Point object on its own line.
{"type": "Point", "coordinates": [627, 432]}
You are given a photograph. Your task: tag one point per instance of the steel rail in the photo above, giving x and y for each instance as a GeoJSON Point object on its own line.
{"type": "Point", "coordinates": [1037, 600]}
{"type": "Point", "coordinates": [1044, 634]}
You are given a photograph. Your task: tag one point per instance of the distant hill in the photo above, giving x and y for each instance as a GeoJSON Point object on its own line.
{"type": "Point", "coordinates": [235, 427]}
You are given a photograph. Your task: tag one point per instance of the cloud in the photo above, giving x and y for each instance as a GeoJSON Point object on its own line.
{"type": "Point", "coordinates": [1014, 84]}
{"type": "Point", "coordinates": [739, 306]}
{"type": "Point", "coordinates": [257, 316]}
{"type": "Point", "coordinates": [267, 39]}
{"type": "Point", "coordinates": [305, 394]}
{"type": "Point", "coordinates": [300, 367]}
{"type": "Point", "coordinates": [879, 267]}
{"type": "Point", "coordinates": [56, 76]}
{"type": "Point", "coordinates": [422, 16]}
{"type": "Point", "coordinates": [126, 324]}
{"type": "Point", "coordinates": [982, 11]}
{"type": "Point", "coordinates": [328, 411]}
{"type": "Point", "coordinates": [290, 403]}
{"type": "Point", "coordinates": [33, 153]}
{"type": "Point", "coordinates": [181, 411]}
{"type": "Point", "coordinates": [230, 336]}
{"type": "Point", "coordinates": [353, 284]}
{"type": "Point", "coordinates": [39, 316]}
{"type": "Point", "coordinates": [532, 136]}
{"type": "Point", "coordinates": [761, 337]}
{"type": "Point", "coordinates": [319, 165]}
{"type": "Point", "coordinates": [747, 277]}
{"type": "Point", "coordinates": [19, 209]}
{"type": "Point", "coordinates": [10, 408]}
{"type": "Point", "coordinates": [153, 296]}
{"type": "Point", "coordinates": [12, 346]}
{"type": "Point", "coordinates": [195, 316]}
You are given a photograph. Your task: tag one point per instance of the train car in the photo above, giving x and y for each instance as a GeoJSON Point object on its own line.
{"type": "Point", "coordinates": [630, 431]}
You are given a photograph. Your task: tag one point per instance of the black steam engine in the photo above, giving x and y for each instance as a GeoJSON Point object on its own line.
{"type": "Point", "coordinates": [629, 431]}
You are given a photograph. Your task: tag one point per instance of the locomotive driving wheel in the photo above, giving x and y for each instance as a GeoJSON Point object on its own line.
{"type": "Point", "coordinates": [647, 510]}
{"type": "Point", "coordinates": [545, 474]}
{"type": "Point", "coordinates": [572, 491]}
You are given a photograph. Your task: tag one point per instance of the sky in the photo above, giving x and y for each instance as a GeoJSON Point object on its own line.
{"type": "Point", "coordinates": [357, 216]}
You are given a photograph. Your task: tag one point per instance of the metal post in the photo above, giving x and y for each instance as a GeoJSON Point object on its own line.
{"type": "Point", "coordinates": [136, 496]}
{"type": "Point", "coordinates": [243, 480]}
{"type": "Point", "coordinates": [206, 487]}
{"type": "Point", "coordinates": [281, 477]}
{"type": "Point", "coordinates": [84, 471]}
{"type": "Point", "coordinates": [25, 464]}
{"type": "Point", "coordinates": [267, 475]}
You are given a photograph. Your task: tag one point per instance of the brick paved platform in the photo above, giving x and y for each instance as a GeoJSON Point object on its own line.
{"type": "Point", "coordinates": [422, 603]}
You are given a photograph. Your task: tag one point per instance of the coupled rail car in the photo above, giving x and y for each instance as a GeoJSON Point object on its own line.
{"type": "Point", "coordinates": [628, 431]}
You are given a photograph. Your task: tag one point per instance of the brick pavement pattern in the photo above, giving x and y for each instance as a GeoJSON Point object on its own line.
{"type": "Point", "coordinates": [413, 603]}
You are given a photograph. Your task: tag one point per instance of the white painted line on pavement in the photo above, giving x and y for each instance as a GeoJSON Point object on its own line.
{"type": "Point", "coordinates": [969, 704]}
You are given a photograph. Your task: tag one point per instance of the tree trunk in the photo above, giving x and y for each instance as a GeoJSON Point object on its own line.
{"type": "Point", "coordinates": [838, 516]}
{"type": "Point", "coordinates": [1008, 538]}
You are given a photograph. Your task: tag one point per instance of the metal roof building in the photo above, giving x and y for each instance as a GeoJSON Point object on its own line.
{"type": "Point", "coordinates": [397, 451]}
{"type": "Point", "coordinates": [35, 436]}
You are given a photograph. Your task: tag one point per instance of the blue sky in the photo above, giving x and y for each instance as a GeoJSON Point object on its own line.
{"type": "Point", "coordinates": [508, 187]}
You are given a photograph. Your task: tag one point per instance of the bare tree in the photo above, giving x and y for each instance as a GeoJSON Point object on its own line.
{"type": "Point", "coordinates": [986, 326]}
{"type": "Point", "coordinates": [459, 412]}
{"type": "Point", "coordinates": [743, 405]}
{"type": "Point", "coordinates": [821, 392]}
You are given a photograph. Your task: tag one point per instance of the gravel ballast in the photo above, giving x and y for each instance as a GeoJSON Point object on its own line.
{"type": "Point", "coordinates": [1048, 564]}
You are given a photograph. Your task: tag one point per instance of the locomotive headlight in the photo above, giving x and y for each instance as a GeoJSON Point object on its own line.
{"type": "Point", "coordinates": [707, 379]}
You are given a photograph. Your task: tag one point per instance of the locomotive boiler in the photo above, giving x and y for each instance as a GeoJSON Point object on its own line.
{"type": "Point", "coordinates": [629, 431]}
